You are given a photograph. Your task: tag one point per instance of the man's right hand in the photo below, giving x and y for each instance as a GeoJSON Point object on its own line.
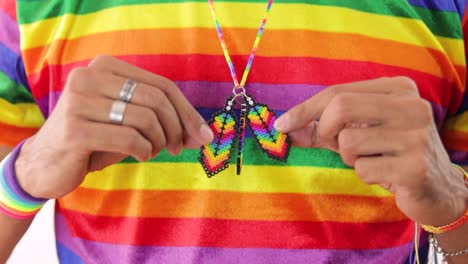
{"type": "Point", "coordinates": [78, 137]}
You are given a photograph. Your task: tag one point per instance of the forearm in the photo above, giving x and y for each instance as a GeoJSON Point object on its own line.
{"type": "Point", "coordinates": [11, 230]}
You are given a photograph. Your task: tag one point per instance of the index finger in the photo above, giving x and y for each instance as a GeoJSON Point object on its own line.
{"type": "Point", "coordinates": [192, 121]}
{"type": "Point", "coordinates": [301, 115]}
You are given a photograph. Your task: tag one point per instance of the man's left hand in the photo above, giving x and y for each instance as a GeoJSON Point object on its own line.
{"type": "Point", "coordinates": [387, 132]}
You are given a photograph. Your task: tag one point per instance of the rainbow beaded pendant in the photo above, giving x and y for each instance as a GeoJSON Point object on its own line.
{"type": "Point", "coordinates": [261, 121]}
{"type": "Point", "coordinates": [215, 156]}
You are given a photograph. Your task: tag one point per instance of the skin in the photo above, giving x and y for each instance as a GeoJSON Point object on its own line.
{"type": "Point", "coordinates": [386, 131]}
{"type": "Point", "coordinates": [383, 149]}
{"type": "Point", "coordinates": [78, 138]}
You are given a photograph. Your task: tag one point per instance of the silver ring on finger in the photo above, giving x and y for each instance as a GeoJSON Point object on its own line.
{"type": "Point", "coordinates": [127, 91]}
{"type": "Point", "coordinates": [116, 115]}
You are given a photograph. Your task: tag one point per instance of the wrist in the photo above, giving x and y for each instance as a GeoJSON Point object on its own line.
{"type": "Point", "coordinates": [14, 201]}
{"type": "Point", "coordinates": [24, 170]}
{"type": "Point", "coordinates": [453, 206]}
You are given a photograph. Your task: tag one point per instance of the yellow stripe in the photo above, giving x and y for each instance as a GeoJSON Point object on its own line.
{"type": "Point", "coordinates": [21, 115]}
{"type": "Point", "coordinates": [458, 123]}
{"type": "Point", "coordinates": [241, 15]}
{"type": "Point", "coordinates": [259, 179]}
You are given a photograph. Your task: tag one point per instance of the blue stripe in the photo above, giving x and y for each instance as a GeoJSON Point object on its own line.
{"type": "Point", "coordinates": [457, 6]}
{"type": "Point", "coordinates": [12, 65]}
{"type": "Point", "coordinates": [461, 7]}
{"type": "Point", "coordinates": [440, 5]}
{"type": "Point", "coordinates": [67, 256]}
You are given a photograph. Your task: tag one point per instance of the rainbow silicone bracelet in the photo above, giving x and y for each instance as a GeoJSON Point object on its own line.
{"type": "Point", "coordinates": [14, 201]}
{"type": "Point", "coordinates": [459, 222]}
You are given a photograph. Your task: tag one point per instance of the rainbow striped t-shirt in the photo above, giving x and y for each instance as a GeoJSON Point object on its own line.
{"type": "Point", "coordinates": [313, 209]}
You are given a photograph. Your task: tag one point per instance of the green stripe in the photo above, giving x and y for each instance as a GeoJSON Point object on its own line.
{"type": "Point", "coordinates": [254, 156]}
{"type": "Point", "coordinates": [13, 92]}
{"type": "Point", "coordinates": [442, 23]}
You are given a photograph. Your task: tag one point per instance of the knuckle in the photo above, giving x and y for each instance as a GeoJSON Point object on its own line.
{"type": "Point", "coordinates": [169, 86]}
{"type": "Point", "coordinates": [416, 109]}
{"type": "Point", "coordinates": [71, 104]}
{"type": "Point", "coordinates": [347, 148]}
{"type": "Point", "coordinates": [339, 104]}
{"type": "Point", "coordinates": [175, 135]}
{"type": "Point", "coordinates": [364, 172]}
{"type": "Point", "coordinates": [345, 140]}
{"type": "Point", "coordinates": [361, 169]}
{"type": "Point", "coordinates": [424, 109]}
{"type": "Point", "coordinates": [158, 98]}
{"type": "Point", "coordinates": [131, 144]}
{"type": "Point", "coordinates": [336, 89]}
{"type": "Point", "coordinates": [148, 120]}
{"type": "Point", "coordinates": [101, 61]}
{"type": "Point", "coordinates": [420, 109]}
{"type": "Point", "coordinates": [77, 78]}
{"type": "Point", "coordinates": [406, 84]}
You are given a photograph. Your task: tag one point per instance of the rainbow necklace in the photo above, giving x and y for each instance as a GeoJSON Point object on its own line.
{"type": "Point", "coordinates": [215, 156]}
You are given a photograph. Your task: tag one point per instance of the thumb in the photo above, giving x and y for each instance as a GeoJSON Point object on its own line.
{"type": "Point", "coordinates": [100, 160]}
{"type": "Point", "coordinates": [196, 128]}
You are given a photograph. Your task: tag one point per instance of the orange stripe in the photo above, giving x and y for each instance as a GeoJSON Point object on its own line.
{"type": "Point", "coordinates": [275, 43]}
{"type": "Point", "coordinates": [232, 205]}
{"type": "Point", "coordinates": [12, 135]}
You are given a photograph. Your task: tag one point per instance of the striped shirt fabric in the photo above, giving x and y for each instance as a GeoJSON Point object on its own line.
{"type": "Point", "coordinates": [313, 209]}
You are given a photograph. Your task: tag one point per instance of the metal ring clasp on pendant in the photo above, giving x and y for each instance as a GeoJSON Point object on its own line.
{"type": "Point", "coordinates": [238, 91]}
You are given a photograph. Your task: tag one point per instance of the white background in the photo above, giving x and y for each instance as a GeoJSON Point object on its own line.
{"type": "Point", "coordinates": [38, 246]}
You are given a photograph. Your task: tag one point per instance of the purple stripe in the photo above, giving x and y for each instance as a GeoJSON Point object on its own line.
{"type": "Point", "coordinates": [459, 157]}
{"type": "Point", "coordinates": [440, 114]}
{"type": "Point", "coordinates": [212, 95]}
{"type": "Point", "coordinates": [277, 96]}
{"type": "Point", "coordinates": [10, 177]}
{"type": "Point", "coordinates": [9, 33]}
{"type": "Point", "coordinates": [94, 252]}
{"type": "Point", "coordinates": [47, 103]}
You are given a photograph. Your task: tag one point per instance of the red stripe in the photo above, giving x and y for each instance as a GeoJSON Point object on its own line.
{"type": "Point", "coordinates": [265, 70]}
{"type": "Point", "coordinates": [9, 7]}
{"type": "Point", "coordinates": [236, 233]}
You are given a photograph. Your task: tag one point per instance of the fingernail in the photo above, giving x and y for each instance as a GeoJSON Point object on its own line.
{"type": "Point", "coordinates": [174, 151]}
{"type": "Point", "coordinates": [281, 123]}
{"type": "Point", "coordinates": [179, 148]}
{"type": "Point", "coordinates": [206, 133]}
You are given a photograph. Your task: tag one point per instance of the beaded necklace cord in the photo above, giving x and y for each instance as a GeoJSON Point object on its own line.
{"type": "Point", "coordinates": [254, 48]}
{"type": "Point", "coordinates": [227, 128]}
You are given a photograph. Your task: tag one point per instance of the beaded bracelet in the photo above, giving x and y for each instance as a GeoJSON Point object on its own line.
{"type": "Point", "coordinates": [14, 201]}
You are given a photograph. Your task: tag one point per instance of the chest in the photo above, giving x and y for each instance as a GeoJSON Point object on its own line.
{"type": "Point", "coordinates": [306, 46]}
